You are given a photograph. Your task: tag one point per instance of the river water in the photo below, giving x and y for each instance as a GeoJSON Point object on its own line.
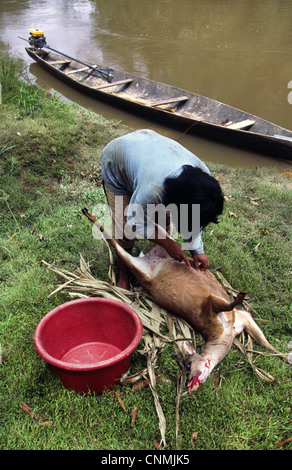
{"type": "Point", "coordinates": [238, 52]}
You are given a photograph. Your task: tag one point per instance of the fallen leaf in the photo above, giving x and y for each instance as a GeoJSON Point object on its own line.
{"type": "Point", "coordinates": [138, 386]}
{"type": "Point", "coordinates": [28, 410]}
{"type": "Point", "coordinates": [231, 214]}
{"type": "Point", "coordinates": [216, 382]}
{"type": "Point", "coordinates": [157, 445]}
{"type": "Point", "coordinates": [11, 238]}
{"type": "Point", "coordinates": [143, 383]}
{"type": "Point", "coordinates": [120, 401]}
{"type": "Point", "coordinates": [194, 436]}
{"type": "Point", "coordinates": [46, 423]}
{"type": "Point", "coordinates": [256, 200]}
{"type": "Point", "coordinates": [25, 408]}
{"type": "Point", "coordinates": [286, 441]}
{"type": "Point", "coordinates": [2, 359]}
{"type": "Point", "coordinates": [134, 414]}
{"type": "Point", "coordinates": [41, 237]}
{"type": "Point", "coordinates": [257, 247]}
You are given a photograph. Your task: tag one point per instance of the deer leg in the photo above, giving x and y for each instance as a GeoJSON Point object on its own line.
{"type": "Point", "coordinates": [218, 304]}
{"type": "Point", "coordinates": [244, 320]}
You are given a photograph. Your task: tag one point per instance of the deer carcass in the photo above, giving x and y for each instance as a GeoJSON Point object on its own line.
{"type": "Point", "coordinates": [197, 297]}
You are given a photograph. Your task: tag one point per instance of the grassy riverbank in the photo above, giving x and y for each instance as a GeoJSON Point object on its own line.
{"type": "Point", "coordinates": [49, 170]}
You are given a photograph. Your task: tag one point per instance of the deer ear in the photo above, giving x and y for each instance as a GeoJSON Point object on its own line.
{"type": "Point", "coordinates": [188, 347]}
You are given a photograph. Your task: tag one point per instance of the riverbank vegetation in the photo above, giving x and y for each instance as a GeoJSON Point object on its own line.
{"type": "Point", "coordinates": [49, 170]}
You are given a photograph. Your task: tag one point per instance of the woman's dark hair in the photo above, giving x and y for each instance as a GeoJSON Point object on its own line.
{"type": "Point", "coordinates": [194, 186]}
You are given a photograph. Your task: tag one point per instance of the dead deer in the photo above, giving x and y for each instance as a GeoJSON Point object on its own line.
{"type": "Point", "coordinates": [197, 297]}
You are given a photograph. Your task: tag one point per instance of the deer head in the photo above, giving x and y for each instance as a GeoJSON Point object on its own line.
{"type": "Point", "coordinates": [199, 367]}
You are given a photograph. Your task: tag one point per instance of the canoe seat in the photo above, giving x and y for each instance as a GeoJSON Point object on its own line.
{"type": "Point", "coordinates": [77, 70]}
{"type": "Point", "coordinates": [89, 74]}
{"type": "Point", "coordinates": [120, 82]}
{"type": "Point", "coordinates": [241, 125]}
{"type": "Point", "coordinates": [60, 62]}
{"type": "Point", "coordinates": [170, 100]}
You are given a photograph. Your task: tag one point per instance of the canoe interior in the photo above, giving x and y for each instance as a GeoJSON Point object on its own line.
{"type": "Point", "coordinates": [189, 111]}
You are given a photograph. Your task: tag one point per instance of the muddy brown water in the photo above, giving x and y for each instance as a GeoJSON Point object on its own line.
{"type": "Point", "coordinates": [239, 53]}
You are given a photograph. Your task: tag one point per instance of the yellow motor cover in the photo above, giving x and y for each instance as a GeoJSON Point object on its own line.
{"type": "Point", "coordinates": [36, 33]}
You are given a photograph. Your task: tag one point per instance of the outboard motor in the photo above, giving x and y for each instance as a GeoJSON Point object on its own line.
{"type": "Point", "coordinates": [36, 38]}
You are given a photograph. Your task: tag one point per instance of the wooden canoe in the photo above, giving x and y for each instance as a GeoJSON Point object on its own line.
{"type": "Point", "coordinates": [172, 106]}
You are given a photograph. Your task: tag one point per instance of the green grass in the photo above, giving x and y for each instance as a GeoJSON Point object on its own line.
{"type": "Point", "coordinates": [49, 170]}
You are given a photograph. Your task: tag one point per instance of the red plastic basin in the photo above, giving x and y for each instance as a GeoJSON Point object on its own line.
{"type": "Point", "coordinates": [89, 342]}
